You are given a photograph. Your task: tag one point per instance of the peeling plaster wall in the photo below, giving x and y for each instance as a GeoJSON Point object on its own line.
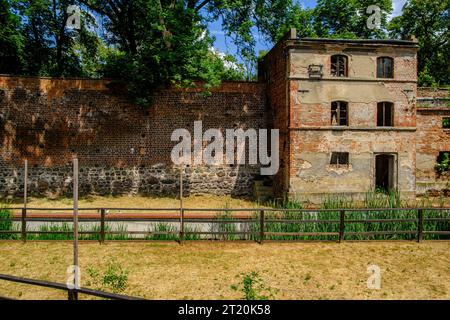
{"type": "Point", "coordinates": [312, 102]}
{"type": "Point", "coordinates": [313, 139]}
{"type": "Point", "coordinates": [311, 172]}
{"type": "Point", "coordinates": [362, 61]}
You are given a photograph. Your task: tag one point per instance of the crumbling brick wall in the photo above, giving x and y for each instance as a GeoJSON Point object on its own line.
{"type": "Point", "coordinates": [432, 139]}
{"type": "Point", "coordinates": [433, 97]}
{"type": "Point", "coordinates": [274, 72]}
{"type": "Point", "coordinates": [121, 147]}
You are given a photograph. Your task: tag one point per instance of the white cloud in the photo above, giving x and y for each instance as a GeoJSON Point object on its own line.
{"type": "Point", "coordinates": [226, 63]}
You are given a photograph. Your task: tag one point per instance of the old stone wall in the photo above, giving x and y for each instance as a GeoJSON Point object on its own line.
{"type": "Point", "coordinates": [122, 148]}
{"type": "Point", "coordinates": [54, 181]}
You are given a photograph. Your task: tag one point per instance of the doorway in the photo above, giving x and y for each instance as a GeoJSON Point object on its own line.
{"type": "Point", "coordinates": [385, 172]}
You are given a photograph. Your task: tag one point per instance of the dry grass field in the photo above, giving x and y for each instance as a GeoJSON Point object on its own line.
{"type": "Point", "coordinates": [207, 270]}
{"type": "Point", "coordinates": [193, 201]}
{"type": "Point", "coordinates": [200, 201]}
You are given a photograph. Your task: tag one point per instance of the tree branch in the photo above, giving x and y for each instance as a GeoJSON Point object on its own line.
{"type": "Point", "coordinates": [201, 5]}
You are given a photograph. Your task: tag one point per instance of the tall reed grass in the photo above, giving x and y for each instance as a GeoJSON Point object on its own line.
{"type": "Point", "coordinates": [6, 223]}
{"type": "Point", "coordinates": [66, 232]}
{"type": "Point", "coordinates": [329, 221]}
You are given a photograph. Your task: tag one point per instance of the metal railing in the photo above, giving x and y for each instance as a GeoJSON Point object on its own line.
{"type": "Point", "coordinates": [261, 222]}
{"type": "Point", "coordinates": [72, 294]}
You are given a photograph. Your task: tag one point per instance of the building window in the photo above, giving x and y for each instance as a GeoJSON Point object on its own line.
{"type": "Point", "coordinates": [446, 123]}
{"type": "Point", "coordinates": [443, 162]}
{"type": "Point", "coordinates": [385, 67]}
{"type": "Point", "coordinates": [339, 113]}
{"type": "Point", "coordinates": [339, 66]}
{"type": "Point", "coordinates": [339, 158]}
{"type": "Point", "coordinates": [385, 114]}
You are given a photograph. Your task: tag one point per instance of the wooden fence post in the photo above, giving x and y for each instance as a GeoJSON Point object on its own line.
{"type": "Point", "coordinates": [24, 224]}
{"type": "Point", "coordinates": [420, 225]}
{"type": "Point", "coordinates": [261, 227]}
{"type": "Point", "coordinates": [102, 225]}
{"type": "Point", "coordinates": [341, 225]}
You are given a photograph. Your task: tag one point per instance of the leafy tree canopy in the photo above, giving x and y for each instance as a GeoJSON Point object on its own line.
{"type": "Point", "coordinates": [11, 39]}
{"type": "Point", "coordinates": [429, 21]}
{"type": "Point", "coordinates": [150, 44]}
{"type": "Point", "coordinates": [348, 18]}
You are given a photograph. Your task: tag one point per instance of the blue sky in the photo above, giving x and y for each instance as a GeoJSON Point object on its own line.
{"type": "Point", "coordinates": [224, 45]}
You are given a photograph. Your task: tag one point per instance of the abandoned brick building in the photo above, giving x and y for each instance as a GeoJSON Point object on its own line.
{"type": "Point", "coordinates": [350, 115]}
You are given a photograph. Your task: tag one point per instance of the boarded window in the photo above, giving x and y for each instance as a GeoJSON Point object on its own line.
{"type": "Point", "coordinates": [339, 158]}
{"type": "Point", "coordinates": [339, 66]}
{"type": "Point", "coordinates": [315, 71]}
{"type": "Point", "coordinates": [385, 67]}
{"type": "Point", "coordinates": [385, 114]}
{"type": "Point", "coordinates": [446, 123]}
{"type": "Point", "coordinates": [339, 113]}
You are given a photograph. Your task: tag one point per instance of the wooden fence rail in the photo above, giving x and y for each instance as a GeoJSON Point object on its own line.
{"type": "Point", "coordinates": [259, 218]}
{"type": "Point", "coordinates": [72, 293]}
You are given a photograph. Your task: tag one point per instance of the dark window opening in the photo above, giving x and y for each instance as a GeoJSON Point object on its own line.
{"type": "Point", "coordinates": [385, 67]}
{"type": "Point", "coordinates": [339, 158]}
{"type": "Point", "coordinates": [443, 162]}
{"type": "Point", "coordinates": [339, 66]}
{"type": "Point", "coordinates": [446, 123]}
{"type": "Point", "coordinates": [385, 114]}
{"type": "Point", "coordinates": [339, 113]}
{"type": "Point", "coordinates": [384, 172]}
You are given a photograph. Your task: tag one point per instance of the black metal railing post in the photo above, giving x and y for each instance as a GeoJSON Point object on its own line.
{"type": "Point", "coordinates": [261, 227]}
{"type": "Point", "coordinates": [419, 225]}
{"type": "Point", "coordinates": [341, 225]}
{"type": "Point", "coordinates": [181, 226]}
{"type": "Point", "coordinates": [72, 294]}
{"type": "Point", "coordinates": [24, 225]}
{"type": "Point", "coordinates": [102, 225]}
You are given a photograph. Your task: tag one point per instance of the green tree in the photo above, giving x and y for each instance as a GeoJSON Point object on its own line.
{"type": "Point", "coordinates": [166, 42]}
{"type": "Point", "coordinates": [50, 48]}
{"type": "Point", "coordinates": [11, 40]}
{"type": "Point", "coordinates": [348, 18]}
{"type": "Point", "coordinates": [428, 20]}
{"type": "Point", "coordinates": [295, 17]}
